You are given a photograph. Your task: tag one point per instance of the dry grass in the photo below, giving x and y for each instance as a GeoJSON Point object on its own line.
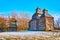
{"type": "Point", "coordinates": [54, 36]}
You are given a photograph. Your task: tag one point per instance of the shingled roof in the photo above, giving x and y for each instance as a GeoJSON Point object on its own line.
{"type": "Point", "coordinates": [13, 25]}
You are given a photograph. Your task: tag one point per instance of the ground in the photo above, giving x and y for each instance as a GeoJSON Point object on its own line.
{"type": "Point", "coordinates": [30, 35]}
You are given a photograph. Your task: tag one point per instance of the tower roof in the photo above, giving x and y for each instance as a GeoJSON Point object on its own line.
{"type": "Point", "coordinates": [45, 9]}
{"type": "Point", "coordinates": [45, 13]}
{"type": "Point", "coordinates": [38, 10]}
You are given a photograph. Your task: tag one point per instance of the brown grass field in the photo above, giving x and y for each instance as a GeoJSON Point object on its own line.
{"type": "Point", "coordinates": [30, 36]}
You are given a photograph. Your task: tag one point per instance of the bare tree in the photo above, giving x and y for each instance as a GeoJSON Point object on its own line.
{"type": "Point", "coordinates": [23, 21]}
{"type": "Point", "coordinates": [57, 24]}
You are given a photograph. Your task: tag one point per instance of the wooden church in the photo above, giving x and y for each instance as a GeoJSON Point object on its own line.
{"type": "Point", "coordinates": [41, 21]}
{"type": "Point", "coordinates": [13, 25]}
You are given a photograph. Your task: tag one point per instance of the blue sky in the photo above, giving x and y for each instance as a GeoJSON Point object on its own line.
{"type": "Point", "coordinates": [8, 6]}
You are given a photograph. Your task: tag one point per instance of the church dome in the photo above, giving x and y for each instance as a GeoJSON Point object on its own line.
{"type": "Point", "coordinates": [38, 10]}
